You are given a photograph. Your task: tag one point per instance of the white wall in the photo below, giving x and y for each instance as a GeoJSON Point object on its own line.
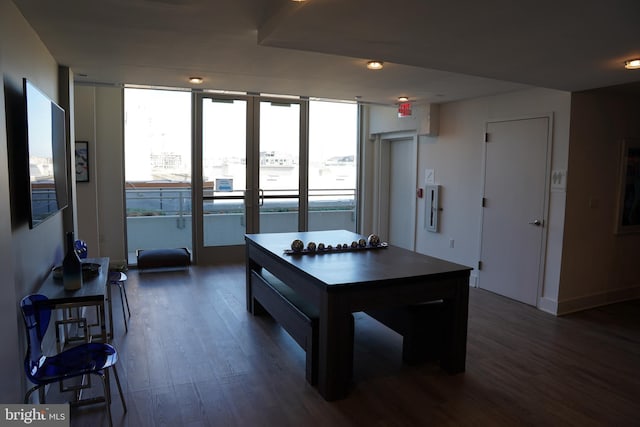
{"type": "Point", "coordinates": [26, 255]}
{"type": "Point", "coordinates": [456, 156]}
{"type": "Point", "coordinates": [86, 192]}
{"type": "Point", "coordinates": [598, 265]}
{"type": "Point", "coordinates": [100, 121]}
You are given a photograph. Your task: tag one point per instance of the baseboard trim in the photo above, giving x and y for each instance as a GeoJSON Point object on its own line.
{"type": "Point", "coordinates": [473, 280]}
{"type": "Point", "coordinates": [596, 300]}
{"type": "Point", "coordinates": [548, 305]}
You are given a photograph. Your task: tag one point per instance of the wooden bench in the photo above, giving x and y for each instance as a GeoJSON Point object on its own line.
{"type": "Point", "coordinates": [163, 258]}
{"type": "Point", "coordinates": [420, 326]}
{"type": "Point", "coordinates": [293, 313]}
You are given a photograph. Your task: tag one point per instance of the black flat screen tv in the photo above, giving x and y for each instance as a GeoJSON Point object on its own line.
{"type": "Point", "coordinates": [46, 144]}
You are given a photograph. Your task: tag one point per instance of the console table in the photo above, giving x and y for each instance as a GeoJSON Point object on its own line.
{"type": "Point", "coordinates": [91, 294]}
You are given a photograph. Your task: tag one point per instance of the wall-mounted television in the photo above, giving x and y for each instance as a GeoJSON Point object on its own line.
{"type": "Point", "coordinates": [46, 144]}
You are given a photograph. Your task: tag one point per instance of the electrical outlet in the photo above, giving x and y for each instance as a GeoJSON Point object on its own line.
{"type": "Point", "coordinates": [451, 243]}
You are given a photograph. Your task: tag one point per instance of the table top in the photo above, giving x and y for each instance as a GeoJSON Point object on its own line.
{"type": "Point", "coordinates": [351, 267]}
{"type": "Point", "coordinates": [92, 289]}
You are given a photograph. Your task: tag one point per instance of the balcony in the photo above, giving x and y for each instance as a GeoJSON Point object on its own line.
{"type": "Point", "coordinates": [159, 215]}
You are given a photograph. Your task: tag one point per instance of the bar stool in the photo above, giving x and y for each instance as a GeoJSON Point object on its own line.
{"type": "Point", "coordinates": [118, 278]}
{"type": "Point", "coordinates": [115, 278]}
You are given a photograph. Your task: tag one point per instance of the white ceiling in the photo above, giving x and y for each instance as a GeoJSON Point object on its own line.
{"type": "Point", "coordinates": [434, 51]}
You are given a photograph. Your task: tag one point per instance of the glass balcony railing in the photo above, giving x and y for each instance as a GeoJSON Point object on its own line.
{"type": "Point", "coordinates": [159, 214]}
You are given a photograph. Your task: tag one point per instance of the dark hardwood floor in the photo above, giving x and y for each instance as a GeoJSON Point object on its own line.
{"type": "Point", "coordinates": [194, 357]}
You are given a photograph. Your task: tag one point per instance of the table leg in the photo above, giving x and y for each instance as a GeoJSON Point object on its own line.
{"type": "Point", "coordinates": [251, 265]}
{"type": "Point", "coordinates": [455, 335]}
{"type": "Point", "coordinates": [335, 352]}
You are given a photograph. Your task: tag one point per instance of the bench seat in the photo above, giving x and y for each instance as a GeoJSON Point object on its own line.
{"type": "Point", "coordinates": [293, 313]}
{"type": "Point", "coordinates": [420, 326]}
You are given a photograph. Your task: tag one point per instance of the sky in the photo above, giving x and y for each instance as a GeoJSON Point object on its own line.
{"type": "Point", "coordinates": [158, 121]}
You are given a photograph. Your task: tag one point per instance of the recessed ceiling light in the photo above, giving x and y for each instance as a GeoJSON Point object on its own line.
{"type": "Point", "coordinates": [403, 98]}
{"type": "Point", "coordinates": [375, 65]}
{"type": "Point", "coordinates": [632, 64]}
{"type": "Point", "coordinates": [196, 80]}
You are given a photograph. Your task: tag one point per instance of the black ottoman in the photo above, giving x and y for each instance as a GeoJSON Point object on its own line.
{"type": "Point", "coordinates": [163, 258]}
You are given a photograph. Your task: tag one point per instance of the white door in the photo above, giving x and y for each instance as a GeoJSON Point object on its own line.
{"type": "Point", "coordinates": [402, 187]}
{"type": "Point", "coordinates": [513, 218]}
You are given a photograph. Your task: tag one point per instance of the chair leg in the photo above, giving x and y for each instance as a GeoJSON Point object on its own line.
{"type": "Point", "coordinates": [115, 374]}
{"type": "Point", "coordinates": [40, 389]}
{"type": "Point", "coordinates": [107, 396]}
{"type": "Point", "coordinates": [124, 290]}
{"type": "Point", "coordinates": [122, 301]}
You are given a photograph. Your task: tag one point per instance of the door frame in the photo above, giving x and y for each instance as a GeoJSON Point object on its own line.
{"type": "Point", "coordinates": [253, 175]}
{"type": "Point", "coordinates": [381, 182]}
{"type": "Point", "coordinates": [216, 254]}
{"type": "Point", "coordinates": [234, 253]}
{"type": "Point", "coordinates": [546, 197]}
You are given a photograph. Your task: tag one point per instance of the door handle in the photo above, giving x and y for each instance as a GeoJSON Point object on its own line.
{"type": "Point", "coordinates": [536, 222]}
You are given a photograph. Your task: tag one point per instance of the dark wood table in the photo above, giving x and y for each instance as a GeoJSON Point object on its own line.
{"type": "Point", "coordinates": [339, 284]}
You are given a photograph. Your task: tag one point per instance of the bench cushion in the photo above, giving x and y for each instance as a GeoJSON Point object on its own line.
{"type": "Point", "coordinates": [161, 258]}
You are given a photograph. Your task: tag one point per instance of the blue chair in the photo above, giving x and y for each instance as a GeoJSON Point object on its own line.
{"type": "Point", "coordinates": [81, 248]}
{"type": "Point", "coordinates": [83, 359]}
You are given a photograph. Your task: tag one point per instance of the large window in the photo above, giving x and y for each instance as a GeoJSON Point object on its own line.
{"type": "Point", "coordinates": [224, 171]}
{"type": "Point", "coordinates": [333, 146]}
{"type": "Point", "coordinates": [230, 146]}
{"type": "Point", "coordinates": [157, 169]}
{"type": "Point", "coordinates": [279, 166]}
